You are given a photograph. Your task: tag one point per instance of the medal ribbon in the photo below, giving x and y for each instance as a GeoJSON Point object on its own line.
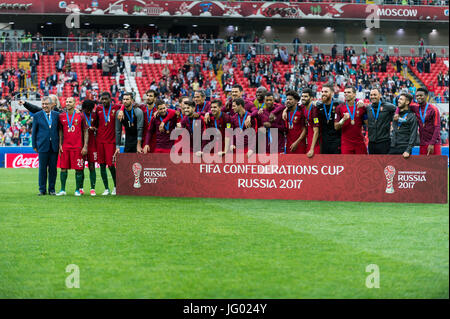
{"type": "Point", "coordinates": [70, 122]}
{"type": "Point", "coordinates": [128, 116]}
{"type": "Point", "coordinates": [88, 121]}
{"type": "Point", "coordinates": [399, 123]}
{"type": "Point", "coordinates": [104, 113]}
{"type": "Point", "coordinates": [352, 116]}
{"type": "Point", "coordinates": [243, 121]}
{"type": "Point", "coordinates": [291, 118]}
{"type": "Point", "coordinates": [149, 118]}
{"type": "Point", "coordinates": [166, 126]}
{"type": "Point", "coordinates": [49, 119]}
{"type": "Point", "coordinates": [422, 116]}
{"type": "Point", "coordinates": [328, 113]}
{"type": "Point", "coordinates": [378, 111]}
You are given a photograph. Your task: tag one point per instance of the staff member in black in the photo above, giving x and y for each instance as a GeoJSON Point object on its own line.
{"type": "Point", "coordinates": [379, 115]}
{"type": "Point", "coordinates": [404, 133]}
{"type": "Point", "coordinates": [331, 138]}
{"type": "Point", "coordinates": [133, 121]}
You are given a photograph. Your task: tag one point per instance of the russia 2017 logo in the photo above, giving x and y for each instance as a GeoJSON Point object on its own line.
{"type": "Point", "coordinates": [389, 172]}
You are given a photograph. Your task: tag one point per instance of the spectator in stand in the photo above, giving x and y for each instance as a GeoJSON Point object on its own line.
{"type": "Point", "coordinates": [146, 53]}
{"type": "Point", "coordinates": [89, 62]}
{"type": "Point", "coordinates": [440, 79]}
{"type": "Point", "coordinates": [444, 136]}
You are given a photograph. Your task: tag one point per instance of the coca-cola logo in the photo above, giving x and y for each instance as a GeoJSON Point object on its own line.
{"type": "Point", "coordinates": [25, 162]}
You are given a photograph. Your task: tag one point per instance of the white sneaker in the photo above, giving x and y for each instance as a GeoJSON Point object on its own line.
{"type": "Point", "coordinates": [106, 192]}
{"type": "Point", "coordinates": [77, 193]}
{"type": "Point", "coordinates": [61, 193]}
{"type": "Point", "coordinates": [113, 191]}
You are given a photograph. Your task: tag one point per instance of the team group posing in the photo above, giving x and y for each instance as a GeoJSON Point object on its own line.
{"type": "Point", "coordinates": [328, 126]}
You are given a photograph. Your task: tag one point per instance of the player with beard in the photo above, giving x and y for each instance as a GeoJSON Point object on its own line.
{"type": "Point", "coordinates": [192, 124]}
{"type": "Point", "coordinates": [163, 142]}
{"type": "Point", "coordinates": [105, 122]}
{"type": "Point", "coordinates": [201, 105]}
{"type": "Point", "coordinates": [268, 121]}
{"type": "Point", "coordinates": [88, 113]}
{"type": "Point", "coordinates": [236, 93]}
{"type": "Point", "coordinates": [242, 143]}
{"type": "Point", "coordinates": [73, 145]}
{"type": "Point", "coordinates": [218, 120]}
{"type": "Point", "coordinates": [133, 124]}
{"type": "Point", "coordinates": [149, 110]}
{"type": "Point", "coordinates": [312, 121]}
{"type": "Point", "coordinates": [350, 118]}
{"type": "Point", "coordinates": [404, 133]}
{"type": "Point", "coordinates": [331, 138]}
{"type": "Point", "coordinates": [429, 124]}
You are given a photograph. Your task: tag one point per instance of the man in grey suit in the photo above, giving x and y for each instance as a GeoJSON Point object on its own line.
{"type": "Point", "coordinates": [45, 141]}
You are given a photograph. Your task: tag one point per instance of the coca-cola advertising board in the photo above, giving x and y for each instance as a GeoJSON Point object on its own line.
{"type": "Point", "coordinates": [26, 161]}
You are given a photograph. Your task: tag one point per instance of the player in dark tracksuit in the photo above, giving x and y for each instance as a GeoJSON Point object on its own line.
{"type": "Point", "coordinates": [379, 117]}
{"type": "Point", "coordinates": [404, 133]}
{"type": "Point", "coordinates": [133, 121]}
{"type": "Point", "coordinates": [331, 138]}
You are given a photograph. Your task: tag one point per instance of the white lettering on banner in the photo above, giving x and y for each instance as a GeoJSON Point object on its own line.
{"type": "Point", "coordinates": [272, 169]}
{"type": "Point", "coordinates": [151, 175]}
{"type": "Point", "coordinates": [269, 183]}
{"type": "Point", "coordinates": [21, 162]}
{"type": "Point", "coordinates": [397, 12]}
{"type": "Point", "coordinates": [407, 180]}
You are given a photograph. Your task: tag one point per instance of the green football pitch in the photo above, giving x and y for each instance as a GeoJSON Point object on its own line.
{"type": "Point", "coordinates": [147, 247]}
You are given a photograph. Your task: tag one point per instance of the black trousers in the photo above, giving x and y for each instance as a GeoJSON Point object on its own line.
{"type": "Point", "coordinates": [47, 163]}
{"type": "Point", "coordinates": [331, 147]}
{"type": "Point", "coordinates": [130, 148]}
{"type": "Point", "coordinates": [397, 150]}
{"type": "Point", "coordinates": [379, 148]}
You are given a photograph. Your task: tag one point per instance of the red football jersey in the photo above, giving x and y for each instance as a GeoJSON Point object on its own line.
{"type": "Point", "coordinates": [72, 135]}
{"type": "Point", "coordinates": [298, 124]}
{"type": "Point", "coordinates": [351, 133]}
{"type": "Point", "coordinates": [106, 125]}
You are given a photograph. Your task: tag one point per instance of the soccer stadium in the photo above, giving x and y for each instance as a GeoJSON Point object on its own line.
{"type": "Point", "coordinates": [224, 150]}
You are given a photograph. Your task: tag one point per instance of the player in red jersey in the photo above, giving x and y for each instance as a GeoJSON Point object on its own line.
{"type": "Point", "coordinates": [236, 93]}
{"type": "Point", "coordinates": [312, 121]}
{"type": "Point", "coordinates": [88, 113]}
{"type": "Point", "coordinates": [350, 118]}
{"type": "Point", "coordinates": [218, 120]}
{"type": "Point", "coordinates": [429, 121]}
{"type": "Point", "coordinates": [244, 140]}
{"type": "Point", "coordinates": [105, 123]}
{"type": "Point", "coordinates": [267, 123]}
{"type": "Point", "coordinates": [163, 142]}
{"type": "Point", "coordinates": [201, 105]}
{"type": "Point", "coordinates": [295, 123]}
{"type": "Point", "coordinates": [73, 145]}
{"type": "Point", "coordinates": [193, 124]}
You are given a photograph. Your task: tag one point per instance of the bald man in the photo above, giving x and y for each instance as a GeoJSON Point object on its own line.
{"type": "Point", "coordinates": [260, 96]}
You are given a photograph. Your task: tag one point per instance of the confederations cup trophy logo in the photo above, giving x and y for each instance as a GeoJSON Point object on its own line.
{"type": "Point", "coordinates": [389, 172]}
{"type": "Point", "coordinates": [137, 168]}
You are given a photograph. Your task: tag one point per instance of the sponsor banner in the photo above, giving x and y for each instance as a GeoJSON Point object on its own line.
{"type": "Point", "coordinates": [362, 178]}
{"type": "Point", "coordinates": [26, 161]}
{"type": "Point", "coordinates": [234, 9]}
